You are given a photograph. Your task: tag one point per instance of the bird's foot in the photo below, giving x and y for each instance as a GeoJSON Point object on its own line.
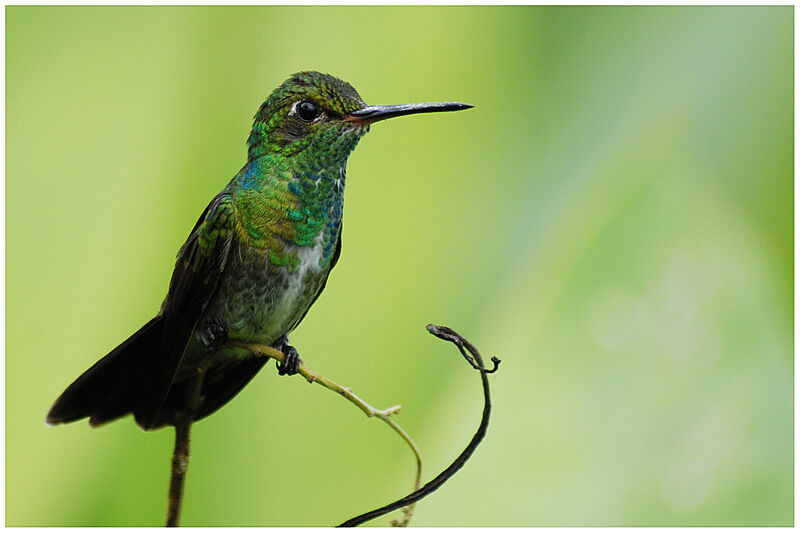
{"type": "Point", "coordinates": [214, 335]}
{"type": "Point", "coordinates": [291, 362]}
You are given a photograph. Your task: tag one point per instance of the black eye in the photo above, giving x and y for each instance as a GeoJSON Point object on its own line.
{"type": "Point", "coordinates": [307, 111]}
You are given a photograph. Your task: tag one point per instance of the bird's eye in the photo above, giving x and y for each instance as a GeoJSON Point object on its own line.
{"type": "Point", "coordinates": [307, 111]}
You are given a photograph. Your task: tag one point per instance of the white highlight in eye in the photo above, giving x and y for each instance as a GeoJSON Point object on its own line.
{"type": "Point", "coordinates": [293, 112]}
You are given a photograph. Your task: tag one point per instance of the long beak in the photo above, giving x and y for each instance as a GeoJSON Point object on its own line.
{"type": "Point", "coordinates": [374, 113]}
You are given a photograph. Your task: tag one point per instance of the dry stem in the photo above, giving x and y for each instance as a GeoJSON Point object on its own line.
{"type": "Point", "coordinates": [180, 456]}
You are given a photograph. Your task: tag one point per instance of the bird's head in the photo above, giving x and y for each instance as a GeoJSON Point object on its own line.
{"type": "Point", "coordinates": [323, 113]}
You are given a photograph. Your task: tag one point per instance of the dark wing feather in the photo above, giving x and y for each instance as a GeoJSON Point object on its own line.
{"type": "Point", "coordinates": [105, 391]}
{"type": "Point", "coordinates": [224, 381]}
{"type": "Point", "coordinates": [220, 384]}
{"type": "Point", "coordinates": [201, 262]}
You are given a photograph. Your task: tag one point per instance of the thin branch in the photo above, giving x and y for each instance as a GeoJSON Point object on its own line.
{"type": "Point", "coordinates": [180, 456]}
{"type": "Point", "coordinates": [447, 334]}
{"type": "Point", "coordinates": [383, 414]}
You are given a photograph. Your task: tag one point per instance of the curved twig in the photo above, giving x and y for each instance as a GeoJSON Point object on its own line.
{"type": "Point", "coordinates": [447, 334]}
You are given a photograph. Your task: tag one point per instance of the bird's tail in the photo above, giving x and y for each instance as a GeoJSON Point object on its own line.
{"type": "Point", "coordinates": [108, 390]}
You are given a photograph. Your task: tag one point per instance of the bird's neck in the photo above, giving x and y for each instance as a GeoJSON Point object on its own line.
{"type": "Point", "coordinates": [284, 205]}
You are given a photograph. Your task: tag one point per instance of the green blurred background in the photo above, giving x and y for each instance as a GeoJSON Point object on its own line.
{"type": "Point", "coordinates": [614, 219]}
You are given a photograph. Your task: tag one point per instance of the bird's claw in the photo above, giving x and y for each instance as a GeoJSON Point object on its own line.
{"type": "Point", "coordinates": [291, 361]}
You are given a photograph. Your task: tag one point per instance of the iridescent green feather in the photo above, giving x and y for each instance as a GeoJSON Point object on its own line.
{"type": "Point", "coordinates": [290, 191]}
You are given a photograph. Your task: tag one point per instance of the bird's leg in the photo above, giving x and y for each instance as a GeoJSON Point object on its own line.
{"type": "Point", "coordinates": [291, 363]}
{"type": "Point", "coordinates": [214, 335]}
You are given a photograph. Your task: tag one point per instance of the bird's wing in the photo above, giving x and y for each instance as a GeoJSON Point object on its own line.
{"type": "Point", "coordinates": [224, 381]}
{"type": "Point", "coordinates": [200, 264]}
{"type": "Point", "coordinates": [221, 383]}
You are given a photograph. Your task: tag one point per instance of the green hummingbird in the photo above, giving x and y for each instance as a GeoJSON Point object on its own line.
{"type": "Point", "coordinates": [254, 263]}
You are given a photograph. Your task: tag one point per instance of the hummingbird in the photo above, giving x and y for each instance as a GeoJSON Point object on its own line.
{"type": "Point", "coordinates": [256, 260]}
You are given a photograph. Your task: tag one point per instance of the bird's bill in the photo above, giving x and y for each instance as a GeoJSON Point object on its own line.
{"type": "Point", "coordinates": [374, 113]}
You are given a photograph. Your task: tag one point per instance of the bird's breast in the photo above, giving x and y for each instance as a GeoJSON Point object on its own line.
{"type": "Point", "coordinates": [260, 300]}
